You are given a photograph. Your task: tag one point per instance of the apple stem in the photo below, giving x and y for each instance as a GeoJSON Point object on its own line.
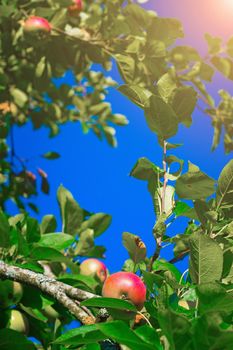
{"type": "Point", "coordinates": [145, 318]}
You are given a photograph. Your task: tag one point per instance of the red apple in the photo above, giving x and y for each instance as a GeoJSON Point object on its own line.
{"type": "Point", "coordinates": [35, 24]}
{"type": "Point", "coordinates": [75, 8]}
{"type": "Point", "coordinates": [95, 268]}
{"type": "Point", "coordinates": [125, 285]}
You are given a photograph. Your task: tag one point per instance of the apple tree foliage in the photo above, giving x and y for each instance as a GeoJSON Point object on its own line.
{"type": "Point", "coordinates": [191, 310]}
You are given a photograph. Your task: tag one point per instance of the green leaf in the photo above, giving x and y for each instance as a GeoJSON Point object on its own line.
{"type": "Point", "coordinates": [160, 265]}
{"type": "Point", "coordinates": [206, 72]}
{"type": "Point", "coordinates": [144, 169]}
{"type": "Point", "coordinates": [214, 44]}
{"type": "Point", "coordinates": [12, 340]}
{"type": "Point", "coordinates": [59, 18]}
{"type": "Point", "coordinates": [138, 13]}
{"type": "Point", "coordinates": [4, 231]}
{"type": "Point", "coordinates": [165, 29]}
{"type": "Point", "coordinates": [152, 280]}
{"type": "Point", "coordinates": [48, 224]}
{"type": "Point", "coordinates": [126, 66]}
{"type": "Point", "coordinates": [135, 247]}
{"type": "Point", "coordinates": [183, 102]}
{"type": "Point", "coordinates": [71, 212]}
{"type": "Point", "coordinates": [224, 66]}
{"type": "Point", "coordinates": [155, 49]}
{"type": "Point", "coordinates": [51, 155]}
{"type": "Point", "coordinates": [32, 231]}
{"type": "Point", "coordinates": [194, 184]}
{"type": "Point", "coordinates": [91, 347]}
{"type": "Point", "coordinates": [19, 97]}
{"type": "Point", "coordinates": [122, 334]}
{"type": "Point", "coordinates": [173, 175]}
{"type": "Point", "coordinates": [161, 118]}
{"type": "Point", "coordinates": [207, 333]}
{"type": "Point", "coordinates": [182, 56]}
{"type": "Point", "coordinates": [7, 10]}
{"type": "Point", "coordinates": [201, 208]}
{"type": "Point", "coordinates": [35, 313]}
{"type": "Point", "coordinates": [57, 241]}
{"type": "Point", "coordinates": [224, 193]}
{"type": "Point", "coordinates": [166, 85]}
{"type": "Point", "coordinates": [181, 208]}
{"type": "Point", "coordinates": [109, 303]}
{"type": "Point", "coordinates": [128, 266]}
{"type": "Point", "coordinates": [206, 259]}
{"type": "Point", "coordinates": [85, 242]}
{"type": "Point", "coordinates": [78, 280]}
{"type": "Point", "coordinates": [47, 253]}
{"type": "Point", "coordinates": [176, 329]}
{"type": "Point", "coordinates": [98, 222]}
{"type": "Point", "coordinates": [82, 335]}
{"type": "Point", "coordinates": [136, 94]}
{"type": "Point", "coordinates": [45, 185]}
{"type": "Point", "coordinates": [213, 297]}
{"type": "Point", "coordinates": [32, 297]}
{"type": "Point", "coordinates": [40, 67]}
{"type": "Point", "coordinates": [230, 47]}
{"type": "Point", "coordinates": [149, 335]}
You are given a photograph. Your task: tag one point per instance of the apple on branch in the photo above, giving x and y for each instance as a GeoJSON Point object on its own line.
{"type": "Point", "coordinates": [76, 7]}
{"type": "Point", "coordinates": [36, 25]}
{"type": "Point", "coordinates": [95, 268]}
{"type": "Point", "coordinates": [127, 286]}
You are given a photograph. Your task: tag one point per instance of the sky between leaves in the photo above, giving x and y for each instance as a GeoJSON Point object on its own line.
{"type": "Point", "coordinates": [97, 175]}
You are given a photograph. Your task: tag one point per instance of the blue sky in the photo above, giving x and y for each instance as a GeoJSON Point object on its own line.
{"type": "Point", "coordinates": [98, 176]}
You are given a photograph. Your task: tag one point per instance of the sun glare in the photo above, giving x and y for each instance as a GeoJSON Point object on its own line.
{"type": "Point", "coordinates": [228, 3]}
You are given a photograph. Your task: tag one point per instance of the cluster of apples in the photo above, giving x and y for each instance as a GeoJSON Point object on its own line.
{"type": "Point", "coordinates": [35, 24]}
{"type": "Point", "coordinates": [10, 294]}
{"type": "Point", "coordinates": [120, 285]}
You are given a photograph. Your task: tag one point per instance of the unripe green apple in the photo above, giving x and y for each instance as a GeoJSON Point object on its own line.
{"type": "Point", "coordinates": [75, 9]}
{"type": "Point", "coordinates": [35, 25]}
{"type": "Point", "coordinates": [125, 285]}
{"type": "Point", "coordinates": [50, 313]}
{"type": "Point", "coordinates": [18, 322]}
{"type": "Point", "coordinates": [95, 268]}
{"type": "Point", "coordinates": [10, 293]}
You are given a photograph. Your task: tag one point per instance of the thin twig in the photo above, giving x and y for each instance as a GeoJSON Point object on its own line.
{"type": "Point", "coordinates": [158, 238]}
{"type": "Point", "coordinates": [179, 257]}
{"type": "Point", "coordinates": [165, 175]}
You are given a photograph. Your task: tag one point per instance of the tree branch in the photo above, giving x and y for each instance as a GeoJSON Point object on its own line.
{"type": "Point", "coordinates": [66, 295]}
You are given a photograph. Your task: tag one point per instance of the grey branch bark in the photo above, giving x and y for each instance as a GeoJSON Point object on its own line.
{"type": "Point", "coordinates": [66, 295]}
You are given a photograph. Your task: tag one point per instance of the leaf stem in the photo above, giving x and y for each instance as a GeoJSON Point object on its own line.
{"type": "Point", "coordinates": [165, 176]}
